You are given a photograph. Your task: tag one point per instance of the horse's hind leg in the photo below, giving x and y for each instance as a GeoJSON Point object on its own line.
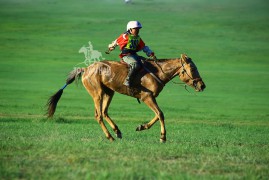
{"type": "Point", "coordinates": [99, 117]}
{"type": "Point", "coordinates": [91, 82]}
{"type": "Point", "coordinates": [107, 97]}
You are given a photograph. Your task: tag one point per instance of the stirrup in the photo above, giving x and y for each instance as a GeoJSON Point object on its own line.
{"type": "Point", "coordinates": [126, 83]}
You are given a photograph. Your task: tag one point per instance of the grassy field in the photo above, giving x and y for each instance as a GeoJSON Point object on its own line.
{"type": "Point", "coordinates": [222, 133]}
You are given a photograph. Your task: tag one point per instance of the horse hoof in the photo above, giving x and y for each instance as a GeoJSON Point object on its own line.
{"type": "Point", "coordinates": [111, 139]}
{"type": "Point", "coordinates": [119, 135]}
{"type": "Point", "coordinates": [162, 141]}
{"type": "Point", "coordinates": [139, 128]}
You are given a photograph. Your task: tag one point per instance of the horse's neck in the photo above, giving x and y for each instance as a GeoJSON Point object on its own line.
{"type": "Point", "coordinates": [168, 69]}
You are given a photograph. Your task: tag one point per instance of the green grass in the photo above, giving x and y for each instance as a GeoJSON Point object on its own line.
{"type": "Point", "coordinates": [221, 133]}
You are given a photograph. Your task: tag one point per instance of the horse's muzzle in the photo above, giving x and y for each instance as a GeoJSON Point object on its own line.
{"type": "Point", "coordinates": [200, 86]}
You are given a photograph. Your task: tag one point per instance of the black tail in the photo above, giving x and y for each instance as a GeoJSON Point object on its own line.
{"type": "Point", "coordinates": [53, 100]}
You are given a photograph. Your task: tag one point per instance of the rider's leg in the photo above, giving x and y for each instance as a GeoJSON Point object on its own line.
{"type": "Point", "coordinates": [134, 64]}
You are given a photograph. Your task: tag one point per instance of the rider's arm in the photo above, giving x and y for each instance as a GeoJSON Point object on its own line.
{"type": "Point", "coordinates": [112, 46]}
{"type": "Point", "coordinates": [145, 48]}
{"type": "Point", "coordinates": [121, 41]}
{"type": "Point", "coordinates": [148, 52]}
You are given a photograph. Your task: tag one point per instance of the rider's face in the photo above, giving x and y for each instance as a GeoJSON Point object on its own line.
{"type": "Point", "coordinates": [135, 31]}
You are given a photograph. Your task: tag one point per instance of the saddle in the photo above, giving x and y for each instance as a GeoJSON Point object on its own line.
{"type": "Point", "coordinates": [145, 68]}
{"type": "Point", "coordinates": [143, 60]}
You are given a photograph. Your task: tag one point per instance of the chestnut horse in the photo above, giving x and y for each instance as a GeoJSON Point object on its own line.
{"type": "Point", "coordinates": [103, 78]}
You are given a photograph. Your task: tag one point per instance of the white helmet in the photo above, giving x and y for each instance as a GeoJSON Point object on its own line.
{"type": "Point", "coordinates": [133, 24]}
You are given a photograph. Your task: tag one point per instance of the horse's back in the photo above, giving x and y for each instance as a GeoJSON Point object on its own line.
{"type": "Point", "coordinates": [107, 70]}
{"type": "Point", "coordinates": [115, 65]}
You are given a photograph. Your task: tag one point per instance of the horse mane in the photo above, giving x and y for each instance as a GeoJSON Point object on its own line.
{"type": "Point", "coordinates": [146, 60]}
{"type": "Point", "coordinates": [158, 60]}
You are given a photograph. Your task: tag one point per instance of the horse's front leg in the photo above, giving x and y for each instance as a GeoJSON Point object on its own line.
{"type": "Point", "coordinates": [147, 125]}
{"type": "Point", "coordinates": [152, 104]}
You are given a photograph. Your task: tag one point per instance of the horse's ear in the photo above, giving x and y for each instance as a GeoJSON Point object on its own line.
{"type": "Point", "coordinates": [184, 56]}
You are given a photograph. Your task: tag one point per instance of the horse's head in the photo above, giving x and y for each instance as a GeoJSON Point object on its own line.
{"type": "Point", "coordinates": [188, 73]}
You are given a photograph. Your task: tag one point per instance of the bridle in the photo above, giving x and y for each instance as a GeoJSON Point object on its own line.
{"type": "Point", "coordinates": [194, 81]}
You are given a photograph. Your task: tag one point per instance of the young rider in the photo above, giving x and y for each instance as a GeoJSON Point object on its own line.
{"type": "Point", "coordinates": [130, 43]}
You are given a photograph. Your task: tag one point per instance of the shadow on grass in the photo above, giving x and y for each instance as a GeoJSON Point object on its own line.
{"type": "Point", "coordinates": [62, 120]}
{"type": "Point", "coordinates": [59, 120]}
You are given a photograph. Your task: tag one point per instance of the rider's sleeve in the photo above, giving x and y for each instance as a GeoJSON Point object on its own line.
{"type": "Point", "coordinates": [145, 48]}
{"type": "Point", "coordinates": [121, 41]}
{"type": "Point", "coordinates": [148, 52]}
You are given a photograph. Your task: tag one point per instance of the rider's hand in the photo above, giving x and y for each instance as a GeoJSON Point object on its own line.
{"type": "Point", "coordinates": [153, 56]}
{"type": "Point", "coordinates": [111, 48]}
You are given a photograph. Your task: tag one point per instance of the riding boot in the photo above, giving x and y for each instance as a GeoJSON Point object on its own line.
{"type": "Point", "coordinates": [134, 64]}
{"type": "Point", "coordinates": [129, 77]}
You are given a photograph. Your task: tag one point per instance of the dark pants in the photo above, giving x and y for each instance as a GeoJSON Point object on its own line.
{"type": "Point", "coordinates": [134, 62]}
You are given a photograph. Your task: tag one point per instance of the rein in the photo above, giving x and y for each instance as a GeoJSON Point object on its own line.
{"type": "Point", "coordinates": [194, 81]}
{"type": "Point", "coordinates": [171, 78]}
{"type": "Point", "coordinates": [153, 75]}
